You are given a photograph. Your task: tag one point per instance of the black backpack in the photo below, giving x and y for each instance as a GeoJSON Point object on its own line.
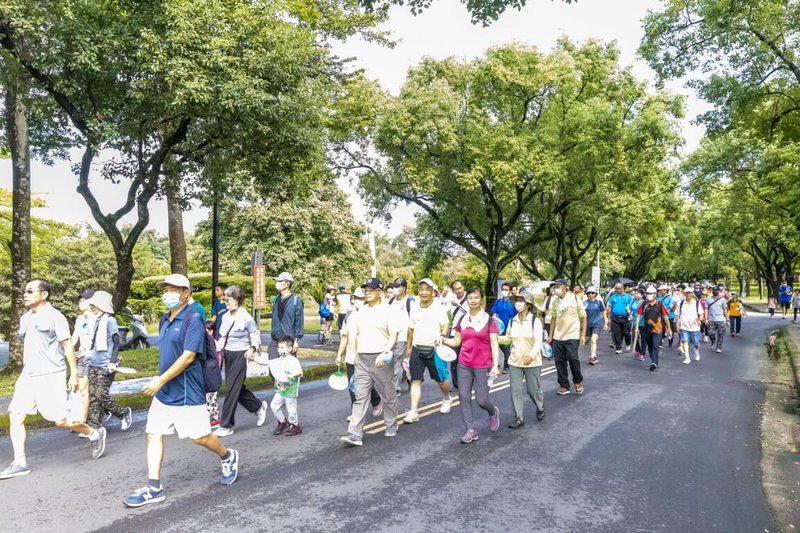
{"type": "Point", "coordinates": [208, 359]}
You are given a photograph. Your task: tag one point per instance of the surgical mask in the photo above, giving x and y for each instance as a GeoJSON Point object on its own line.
{"type": "Point", "coordinates": [558, 291]}
{"type": "Point", "coordinates": [278, 286]}
{"type": "Point", "coordinates": [358, 304]}
{"type": "Point", "coordinates": [171, 300]}
{"type": "Point", "coordinates": [396, 292]}
{"type": "Point", "coordinates": [283, 350]}
{"type": "Point", "coordinates": [519, 307]}
{"type": "Point", "coordinates": [504, 294]}
{"type": "Point", "coordinates": [651, 297]}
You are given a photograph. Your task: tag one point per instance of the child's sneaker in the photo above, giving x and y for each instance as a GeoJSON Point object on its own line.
{"type": "Point", "coordinates": [281, 427]}
{"type": "Point", "coordinates": [292, 430]}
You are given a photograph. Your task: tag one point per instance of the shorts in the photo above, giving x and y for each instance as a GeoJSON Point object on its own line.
{"type": "Point", "coordinates": [83, 370]}
{"type": "Point", "coordinates": [593, 330]}
{"type": "Point", "coordinates": [187, 420]}
{"type": "Point", "coordinates": [417, 366]}
{"type": "Point", "coordinates": [786, 305]}
{"type": "Point", "coordinates": [45, 394]}
{"type": "Point", "coordinates": [692, 337]}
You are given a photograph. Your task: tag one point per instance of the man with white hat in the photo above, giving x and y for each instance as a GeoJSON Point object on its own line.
{"type": "Point", "coordinates": [428, 322]}
{"type": "Point", "coordinates": [47, 351]}
{"type": "Point", "coordinates": [179, 396]}
{"type": "Point", "coordinates": [288, 319]}
{"type": "Point", "coordinates": [103, 350]}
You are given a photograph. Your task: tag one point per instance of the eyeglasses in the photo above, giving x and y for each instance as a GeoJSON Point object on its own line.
{"type": "Point", "coordinates": [31, 291]}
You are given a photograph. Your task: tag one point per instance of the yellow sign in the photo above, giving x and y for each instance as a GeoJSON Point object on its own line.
{"type": "Point", "coordinates": [259, 288]}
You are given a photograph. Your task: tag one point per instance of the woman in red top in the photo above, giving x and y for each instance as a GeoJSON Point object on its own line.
{"type": "Point", "coordinates": [476, 334]}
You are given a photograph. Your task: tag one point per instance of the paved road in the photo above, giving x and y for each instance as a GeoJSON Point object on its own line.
{"type": "Point", "coordinates": [671, 450]}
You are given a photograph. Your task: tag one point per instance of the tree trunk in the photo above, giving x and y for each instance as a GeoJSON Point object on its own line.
{"type": "Point", "coordinates": [760, 289]}
{"type": "Point", "coordinates": [490, 287]}
{"type": "Point", "coordinates": [20, 246]}
{"type": "Point", "coordinates": [177, 239]}
{"type": "Point", "coordinates": [125, 271]}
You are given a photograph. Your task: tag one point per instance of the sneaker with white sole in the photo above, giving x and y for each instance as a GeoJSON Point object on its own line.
{"type": "Point", "coordinates": [223, 432]}
{"type": "Point", "coordinates": [127, 420]}
{"type": "Point", "coordinates": [469, 436]}
{"type": "Point", "coordinates": [686, 360]}
{"type": "Point", "coordinates": [377, 410]}
{"type": "Point", "coordinates": [391, 431]}
{"type": "Point", "coordinates": [411, 417]}
{"type": "Point", "coordinates": [446, 405]}
{"type": "Point", "coordinates": [351, 440]}
{"type": "Point", "coordinates": [563, 391]}
{"type": "Point", "coordinates": [719, 350]}
{"type": "Point", "coordinates": [14, 470]}
{"type": "Point", "coordinates": [261, 414]}
{"type": "Point", "coordinates": [99, 444]}
{"type": "Point", "coordinates": [144, 496]}
{"type": "Point", "coordinates": [697, 355]}
{"type": "Point", "coordinates": [230, 468]}
{"type": "Point", "coordinates": [494, 419]}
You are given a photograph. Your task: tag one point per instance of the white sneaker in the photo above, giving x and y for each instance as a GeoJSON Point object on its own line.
{"type": "Point", "coordinates": [719, 350]}
{"type": "Point", "coordinates": [261, 414]}
{"type": "Point", "coordinates": [446, 404]}
{"type": "Point", "coordinates": [686, 360]}
{"type": "Point", "coordinates": [127, 420]}
{"type": "Point", "coordinates": [697, 355]}
{"type": "Point", "coordinates": [377, 410]}
{"type": "Point", "coordinates": [223, 432]}
{"type": "Point", "coordinates": [411, 417]}
{"type": "Point", "coordinates": [349, 417]}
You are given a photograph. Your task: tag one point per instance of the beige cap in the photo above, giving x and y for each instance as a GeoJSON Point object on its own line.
{"type": "Point", "coordinates": [176, 280]}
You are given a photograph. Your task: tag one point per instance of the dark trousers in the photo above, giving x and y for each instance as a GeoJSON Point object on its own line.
{"type": "Point", "coordinates": [652, 343]}
{"type": "Point", "coordinates": [506, 350]}
{"type": "Point", "coordinates": [237, 391]}
{"type": "Point", "coordinates": [374, 397]}
{"type": "Point", "coordinates": [673, 330]}
{"type": "Point", "coordinates": [565, 354]}
{"type": "Point", "coordinates": [454, 370]}
{"type": "Point", "coordinates": [620, 330]}
{"type": "Point", "coordinates": [736, 324]}
{"type": "Point", "coordinates": [100, 401]}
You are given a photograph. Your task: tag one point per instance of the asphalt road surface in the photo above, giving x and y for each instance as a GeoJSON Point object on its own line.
{"type": "Point", "coordinates": [671, 450]}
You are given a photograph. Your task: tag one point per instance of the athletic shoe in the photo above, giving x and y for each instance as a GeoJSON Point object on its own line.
{"type": "Point", "coordinates": [494, 420]}
{"type": "Point", "coordinates": [686, 360]}
{"type": "Point", "coordinates": [281, 427]}
{"type": "Point", "coordinates": [14, 470]}
{"type": "Point", "coordinates": [697, 355]}
{"type": "Point", "coordinates": [391, 431]}
{"type": "Point", "coordinates": [107, 417]}
{"type": "Point", "coordinates": [612, 345]}
{"type": "Point", "coordinates": [617, 352]}
{"type": "Point", "coordinates": [562, 391]}
{"type": "Point", "coordinates": [641, 357]}
{"type": "Point", "coordinates": [230, 468]}
{"type": "Point", "coordinates": [627, 347]}
{"type": "Point", "coordinates": [719, 350]}
{"type": "Point", "coordinates": [351, 440]}
{"type": "Point", "coordinates": [653, 366]}
{"type": "Point", "coordinates": [127, 420]}
{"type": "Point", "coordinates": [411, 417]}
{"type": "Point", "coordinates": [99, 444]}
{"type": "Point", "coordinates": [516, 424]}
{"type": "Point", "coordinates": [145, 496]}
{"type": "Point", "coordinates": [349, 417]}
{"type": "Point", "coordinates": [261, 414]}
{"type": "Point", "coordinates": [446, 405]}
{"type": "Point", "coordinates": [540, 415]}
{"type": "Point", "coordinates": [215, 423]}
{"type": "Point", "coordinates": [377, 410]}
{"type": "Point", "coordinates": [469, 436]}
{"type": "Point", "coordinates": [292, 430]}
{"type": "Point", "coordinates": [223, 432]}
{"type": "Point", "coordinates": [578, 388]}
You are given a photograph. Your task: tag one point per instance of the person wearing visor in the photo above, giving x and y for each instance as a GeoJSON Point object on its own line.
{"type": "Point", "coordinates": [655, 322]}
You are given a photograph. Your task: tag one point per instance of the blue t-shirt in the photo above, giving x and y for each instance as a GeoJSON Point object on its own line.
{"type": "Point", "coordinates": [188, 388]}
{"type": "Point", "coordinates": [504, 309]}
{"type": "Point", "coordinates": [217, 310]}
{"type": "Point", "coordinates": [635, 308]}
{"type": "Point", "coordinates": [620, 304]}
{"type": "Point", "coordinates": [786, 293]}
{"type": "Point", "coordinates": [667, 301]}
{"type": "Point", "coordinates": [594, 313]}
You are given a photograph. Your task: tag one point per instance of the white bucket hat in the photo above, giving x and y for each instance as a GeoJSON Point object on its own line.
{"type": "Point", "coordinates": [103, 301]}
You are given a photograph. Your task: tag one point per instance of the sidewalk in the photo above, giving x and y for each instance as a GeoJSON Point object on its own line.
{"type": "Point", "coordinates": [134, 386]}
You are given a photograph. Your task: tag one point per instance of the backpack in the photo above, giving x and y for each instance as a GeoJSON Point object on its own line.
{"type": "Point", "coordinates": [409, 299]}
{"type": "Point", "coordinates": [209, 360]}
{"type": "Point", "coordinates": [325, 311]}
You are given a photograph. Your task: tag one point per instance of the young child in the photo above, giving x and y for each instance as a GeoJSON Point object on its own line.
{"type": "Point", "coordinates": [286, 371]}
{"type": "Point", "coordinates": [211, 397]}
{"type": "Point", "coordinates": [796, 304]}
{"type": "Point", "coordinates": [772, 303]}
{"type": "Point", "coordinates": [638, 300]}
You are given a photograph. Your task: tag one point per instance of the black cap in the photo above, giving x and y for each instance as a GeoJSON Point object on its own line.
{"type": "Point", "coordinates": [399, 282]}
{"type": "Point", "coordinates": [87, 294]}
{"type": "Point", "coordinates": [716, 288]}
{"type": "Point", "coordinates": [560, 281]}
{"type": "Point", "coordinates": [372, 283]}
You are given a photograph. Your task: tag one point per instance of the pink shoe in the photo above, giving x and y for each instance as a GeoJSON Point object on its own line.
{"type": "Point", "coordinates": [494, 420]}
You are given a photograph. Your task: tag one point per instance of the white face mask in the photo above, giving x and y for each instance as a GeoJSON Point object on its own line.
{"type": "Point", "coordinates": [279, 286]}
{"type": "Point", "coordinates": [558, 291]}
{"type": "Point", "coordinates": [283, 351]}
{"type": "Point", "coordinates": [504, 294]}
{"type": "Point", "coordinates": [171, 300]}
{"type": "Point", "coordinates": [358, 304]}
{"type": "Point", "coordinates": [396, 292]}
{"type": "Point", "coordinates": [519, 306]}
{"type": "Point", "coordinates": [651, 297]}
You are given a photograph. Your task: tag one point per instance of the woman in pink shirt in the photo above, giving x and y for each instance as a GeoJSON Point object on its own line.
{"type": "Point", "coordinates": [476, 334]}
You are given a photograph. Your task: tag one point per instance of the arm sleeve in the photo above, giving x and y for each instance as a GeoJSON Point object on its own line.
{"type": "Point", "coordinates": [61, 327]}
{"type": "Point", "coordinates": [195, 339]}
{"type": "Point", "coordinates": [299, 317]}
{"type": "Point", "coordinates": [255, 337]}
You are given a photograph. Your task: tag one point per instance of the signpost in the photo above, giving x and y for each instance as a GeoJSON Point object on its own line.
{"type": "Point", "coordinates": [259, 287]}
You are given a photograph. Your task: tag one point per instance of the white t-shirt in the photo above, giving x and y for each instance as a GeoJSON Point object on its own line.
{"type": "Point", "coordinates": [688, 315]}
{"type": "Point", "coordinates": [427, 323]}
{"type": "Point", "coordinates": [350, 350]}
{"type": "Point", "coordinates": [403, 316]}
{"type": "Point", "coordinates": [375, 325]}
{"type": "Point", "coordinates": [342, 303]}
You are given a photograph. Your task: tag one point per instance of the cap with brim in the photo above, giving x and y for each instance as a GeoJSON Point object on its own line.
{"type": "Point", "coordinates": [175, 280]}
{"type": "Point", "coordinates": [591, 288]}
{"type": "Point", "coordinates": [372, 283]}
{"type": "Point", "coordinates": [103, 301]}
{"type": "Point", "coordinates": [400, 282]}
{"type": "Point", "coordinates": [560, 281]}
{"type": "Point", "coordinates": [663, 288]}
{"type": "Point", "coordinates": [427, 281]}
{"type": "Point", "coordinates": [526, 295]}
{"type": "Point", "coordinates": [688, 289]}
{"type": "Point", "coordinates": [284, 276]}
{"type": "Point", "coordinates": [88, 293]}
{"type": "Point", "coordinates": [650, 290]}
{"type": "Point", "coordinates": [358, 293]}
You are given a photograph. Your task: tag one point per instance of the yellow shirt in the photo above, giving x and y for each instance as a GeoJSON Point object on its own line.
{"type": "Point", "coordinates": [568, 313]}
{"type": "Point", "coordinates": [374, 326]}
{"type": "Point", "coordinates": [735, 308]}
{"type": "Point", "coordinates": [526, 340]}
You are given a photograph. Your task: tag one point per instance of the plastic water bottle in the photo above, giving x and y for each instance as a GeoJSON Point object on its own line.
{"type": "Point", "coordinates": [491, 380]}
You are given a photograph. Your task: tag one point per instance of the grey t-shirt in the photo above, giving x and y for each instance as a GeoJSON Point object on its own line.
{"type": "Point", "coordinates": [716, 312]}
{"type": "Point", "coordinates": [42, 334]}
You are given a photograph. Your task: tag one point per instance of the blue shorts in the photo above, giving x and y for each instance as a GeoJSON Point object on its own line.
{"type": "Point", "coordinates": [692, 337]}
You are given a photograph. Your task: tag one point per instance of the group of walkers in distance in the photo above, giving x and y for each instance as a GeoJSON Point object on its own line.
{"type": "Point", "coordinates": [389, 340]}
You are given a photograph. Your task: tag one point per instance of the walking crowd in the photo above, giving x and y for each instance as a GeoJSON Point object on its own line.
{"type": "Point", "coordinates": [389, 340]}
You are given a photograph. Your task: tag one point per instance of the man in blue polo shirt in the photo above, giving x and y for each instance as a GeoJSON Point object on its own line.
{"type": "Point", "coordinates": [618, 308]}
{"type": "Point", "coordinates": [785, 294]}
{"type": "Point", "coordinates": [503, 309]}
{"type": "Point", "coordinates": [179, 403]}
{"type": "Point", "coordinates": [665, 297]}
